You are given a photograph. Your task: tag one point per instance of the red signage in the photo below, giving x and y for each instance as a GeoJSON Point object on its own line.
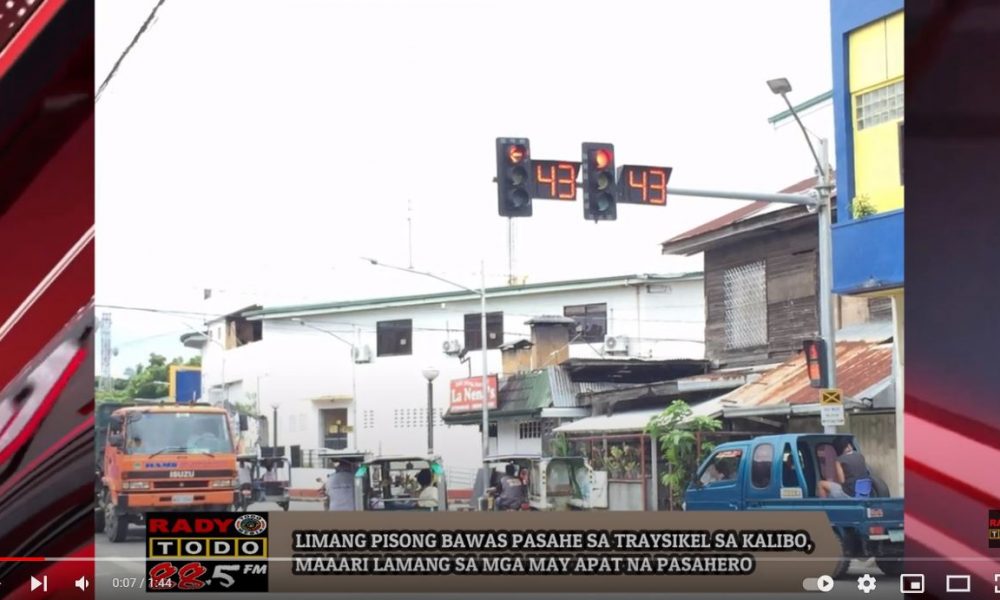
{"type": "Point", "coordinates": [467, 394]}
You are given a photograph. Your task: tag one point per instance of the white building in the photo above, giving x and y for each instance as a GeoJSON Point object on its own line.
{"type": "Point", "coordinates": [297, 360]}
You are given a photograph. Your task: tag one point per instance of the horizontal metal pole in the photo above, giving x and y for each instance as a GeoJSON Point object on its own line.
{"type": "Point", "coordinates": [783, 198]}
{"type": "Point", "coordinates": [802, 200]}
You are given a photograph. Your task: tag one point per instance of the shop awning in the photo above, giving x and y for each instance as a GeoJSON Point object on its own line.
{"type": "Point", "coordinates": [634, 421]}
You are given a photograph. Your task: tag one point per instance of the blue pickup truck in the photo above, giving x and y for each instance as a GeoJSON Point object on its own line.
{"type": "Point", "coordinates": [780, 473]}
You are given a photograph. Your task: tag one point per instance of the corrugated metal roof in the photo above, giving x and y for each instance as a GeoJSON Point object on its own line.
{"type": "Point", "coordinates": [635, 420]}
{"type": "Point", "coordinates": [525, 392]}
{"type": "Point", "coordinates": [860, 366]}
{"type": "Point", "coordinates": [532, 391]}
{"type": "Point", "coordinates": [565, 391]}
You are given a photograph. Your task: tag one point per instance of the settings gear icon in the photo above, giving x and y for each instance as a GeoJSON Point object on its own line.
{"type": "Point", "coordinates": [866, 583]}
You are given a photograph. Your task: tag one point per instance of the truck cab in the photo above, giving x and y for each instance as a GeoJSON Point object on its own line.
{"type": "Point", "coordinates": [781, 473]}
{"type": "Point", "coordinates": [164, 457]}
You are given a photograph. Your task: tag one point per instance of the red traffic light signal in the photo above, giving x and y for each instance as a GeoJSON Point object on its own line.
{"type": "Point", "coordinates": [599, 189]}
{"type": "Point", "coordinates": [815, 353]}
{"type": "Point", "coordinates": [602, 158]}
{"type": "Point", "coordinates": [513, 177]}
{"type": "Point", "coordinates": [516, 153]}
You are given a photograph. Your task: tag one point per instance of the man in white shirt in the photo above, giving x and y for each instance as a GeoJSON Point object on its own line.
{"type": "Point", "coordinates": [428, 497]}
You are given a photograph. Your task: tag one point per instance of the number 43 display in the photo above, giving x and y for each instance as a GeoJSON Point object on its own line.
{"type": "Point", "coordinates": [521, 179]}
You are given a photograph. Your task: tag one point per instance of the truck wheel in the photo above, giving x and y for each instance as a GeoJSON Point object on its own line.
{"type": "Point", "coordinates": [115, 525]}
{"type": "Point", "coordinates": [892, 567]}
{"type": "Point", "coordinates": [845, 562]}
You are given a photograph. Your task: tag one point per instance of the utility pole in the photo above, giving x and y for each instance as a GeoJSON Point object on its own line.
{"type": "Point", "coordinates": [511, 242]}
{"type": "Point", "coordinates": [409, 230]}
{"type": "Point", "coordinates": [274, 443]}
{"type": "Point", "coordinates": [824, 217]}
{"type": "Point", "coordinates": [827, 320]}
{"type": "Point", "coordinates": [106, 351]}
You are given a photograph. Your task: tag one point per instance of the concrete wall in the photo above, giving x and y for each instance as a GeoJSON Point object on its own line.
{"type": "Point", "coordinates": [624, 496]}
{"type": "Point", "coordinates": [876, 434]}
{"type": "Point", "coordinates": [302, 370]}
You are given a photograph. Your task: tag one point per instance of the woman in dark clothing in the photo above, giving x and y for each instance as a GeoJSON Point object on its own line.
{"type": "Point", "coordinates": [850, 467]}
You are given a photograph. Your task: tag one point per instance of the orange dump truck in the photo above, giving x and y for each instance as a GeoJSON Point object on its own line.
{"type": "Point", "coordinates": [162, 457]}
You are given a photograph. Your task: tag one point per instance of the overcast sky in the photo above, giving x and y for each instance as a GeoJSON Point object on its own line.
{"type": "Point", "coordinates": [261, 147]}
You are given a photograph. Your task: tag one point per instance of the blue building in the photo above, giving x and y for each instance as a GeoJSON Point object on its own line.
{"type": "Point", "coordinates": [868, 41]}
{"type": "Point", "coordinates": [868, 108]}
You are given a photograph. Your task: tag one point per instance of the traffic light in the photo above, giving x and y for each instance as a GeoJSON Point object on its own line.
{"type": "Point", "coordinates": [514, 177]}
{"type": "Point", "coordinates": [815, 351]}
{"type": "Point", "coordinates": [599, 189]}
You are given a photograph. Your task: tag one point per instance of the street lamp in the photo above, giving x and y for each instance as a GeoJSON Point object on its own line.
{"type": "Point", "coordinates": [430, 374]}
{"type": "Point", "coordinates": [354, 386]}
{"type": "Point", "coordinates": [782, 87]}
{"type": "Point", "coordinates": [482, 325]}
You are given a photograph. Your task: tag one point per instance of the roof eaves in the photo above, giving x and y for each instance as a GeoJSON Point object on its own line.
{"type": "Point", "coordinates": [701, 242]}
{"type": "Point", "coordinates": [507, 291]}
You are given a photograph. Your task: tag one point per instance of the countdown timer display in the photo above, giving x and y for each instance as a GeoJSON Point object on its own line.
{"type": "Point", "coordinates": [643, 185]}
{"type": "Point", "coordinates": [554, 179]}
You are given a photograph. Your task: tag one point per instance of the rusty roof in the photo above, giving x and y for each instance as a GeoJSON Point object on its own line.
{"type": "Point", "coordinates": [745, 212]}
{"type": "Point", "coordinates": [860, 366]}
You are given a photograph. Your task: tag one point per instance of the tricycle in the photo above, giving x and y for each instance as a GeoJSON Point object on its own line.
{"type": "Point", "coordinates": [553, 483]}
{"type": "Point", "coordinates": [401, 483]}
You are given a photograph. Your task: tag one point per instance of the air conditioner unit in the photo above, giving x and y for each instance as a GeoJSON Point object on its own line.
{"type": "Point", "coordinates": [452, 347]}
{"type": "Point", "coordinates": [616, 344]}
{"type": "Point", "coordinates": [362, 354]}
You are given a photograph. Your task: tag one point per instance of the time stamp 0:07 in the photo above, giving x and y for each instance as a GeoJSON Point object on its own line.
{"type": "Point", "coordinates": [189, 576]}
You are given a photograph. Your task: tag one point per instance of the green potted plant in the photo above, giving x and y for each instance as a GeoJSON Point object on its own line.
{"type": "Point", "coordinates": [614, 462]}
{"type": "Point", "coordinates": [862, 207]}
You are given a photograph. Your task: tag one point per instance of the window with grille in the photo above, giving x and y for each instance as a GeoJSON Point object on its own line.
{"type": "Point", "coordinates": [745, 300]}
{"type": "Point", "coordinates": [394, 337]}
{"type": "Point", "coordinates": [592, 320]}
{"type": "Point", "coordinates": [529, 430]}
{"type": "Point", "coordinates": [880, 309]}
{"type": "Point", "coordinates": [878, 106]}
{"type": "Point", "coordinates": [473, 331]}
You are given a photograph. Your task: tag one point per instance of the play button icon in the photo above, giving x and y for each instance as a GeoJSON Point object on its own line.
{"type": "Point", "coordinates": [44, 584]}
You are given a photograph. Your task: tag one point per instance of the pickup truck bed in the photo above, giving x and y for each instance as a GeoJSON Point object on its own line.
{"type": "Point", "coordinates": [775, 479]}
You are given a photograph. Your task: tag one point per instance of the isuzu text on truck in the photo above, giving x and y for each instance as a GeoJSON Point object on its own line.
{"type": "Point", "coordinates": [162, 457]}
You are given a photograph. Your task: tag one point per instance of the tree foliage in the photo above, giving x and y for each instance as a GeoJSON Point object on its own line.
{"type": "Point", "coordinates": [676, 430]}
{"type": "Point", "coordinates": [149, 381]}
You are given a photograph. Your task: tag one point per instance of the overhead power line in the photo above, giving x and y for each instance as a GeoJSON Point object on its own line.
{"type": "Point", "coordinates": [121, 57]}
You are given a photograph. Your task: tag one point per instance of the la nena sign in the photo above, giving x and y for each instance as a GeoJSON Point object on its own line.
{"type": "Point", "coordinates": [467, 394]}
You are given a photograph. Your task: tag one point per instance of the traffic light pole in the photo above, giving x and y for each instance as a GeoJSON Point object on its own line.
{"type": "Point", "coordinates": [819, 201]}
{"type": "Point", "coordinates": [827, 323]}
